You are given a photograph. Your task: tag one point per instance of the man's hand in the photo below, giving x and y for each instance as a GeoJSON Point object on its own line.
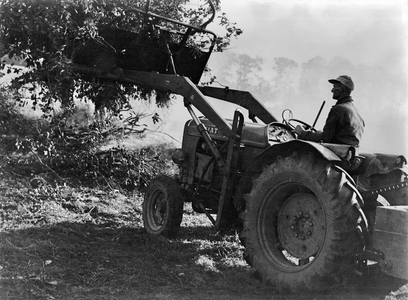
{"type": "Point", "coordinates": [299, 130]}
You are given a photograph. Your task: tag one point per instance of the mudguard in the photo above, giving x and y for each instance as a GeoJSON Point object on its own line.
{"type": "Point", "coordinates": [327, 153]}
{"type": "Point", "coordinates": [269, 155]}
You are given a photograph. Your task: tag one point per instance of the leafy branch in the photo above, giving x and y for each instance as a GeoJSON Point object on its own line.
{"type": "Point", "coordinates": [45, 35]}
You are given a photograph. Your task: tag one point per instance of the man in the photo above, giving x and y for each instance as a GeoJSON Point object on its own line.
{"type": "Point", "coordinates": [344, 124]}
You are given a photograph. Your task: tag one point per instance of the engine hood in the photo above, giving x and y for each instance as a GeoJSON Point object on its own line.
{"type": "Point", "coordinates": [253, 134]}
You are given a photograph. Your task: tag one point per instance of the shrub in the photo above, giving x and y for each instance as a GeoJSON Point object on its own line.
{"type": "Point", "coordinates": [68, 152]}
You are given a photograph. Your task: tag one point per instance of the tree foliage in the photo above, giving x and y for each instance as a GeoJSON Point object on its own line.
{"type": "Point", "coordinates": [45, 33]}
{"type": "Point", "coordinates": [64, 152]}
{"type": "Point", "coordinates": [244, 72]}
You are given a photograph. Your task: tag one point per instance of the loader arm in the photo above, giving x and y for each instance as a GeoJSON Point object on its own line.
{"type": "Point", "coordinates": [241, 98]}
{"type": "Point", "coordinates": [169, 83]}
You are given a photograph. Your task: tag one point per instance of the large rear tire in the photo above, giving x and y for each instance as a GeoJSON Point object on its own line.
{"type": "Point", "coordinates": [163, 207]}
{"type": "Point", "coordinates": [300, 225]}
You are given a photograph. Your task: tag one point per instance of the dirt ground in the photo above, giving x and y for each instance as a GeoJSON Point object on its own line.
{"type": "Point", "coordinates": [61, 242]}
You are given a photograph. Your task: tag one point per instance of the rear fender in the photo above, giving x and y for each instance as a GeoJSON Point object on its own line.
{"type": "Point", "coordinates": [269, 155]}
{"type": "Point", "coordinates": [302, 145]}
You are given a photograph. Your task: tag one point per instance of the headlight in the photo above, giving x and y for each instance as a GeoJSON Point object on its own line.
{"type": "Point", "coordinates": [179, 156]}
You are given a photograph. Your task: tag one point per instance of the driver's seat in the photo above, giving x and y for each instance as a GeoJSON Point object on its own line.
{"type": "Point", "coordinates": [350, 160]}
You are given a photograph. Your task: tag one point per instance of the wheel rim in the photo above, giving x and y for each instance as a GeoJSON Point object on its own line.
{"type": "Point", "coordinates": [158, 209]}
{"type": "Point", "coordinates": [292, 227]}
{"type": "Point", "coordinates": [301, 226]}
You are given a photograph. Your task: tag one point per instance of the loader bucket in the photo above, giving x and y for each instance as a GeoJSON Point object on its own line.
{"type": "Point", "coordinates": [161, 45]}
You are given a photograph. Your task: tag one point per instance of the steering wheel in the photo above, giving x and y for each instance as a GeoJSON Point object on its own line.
{"type": "Point", "coordinates": [307, 126]}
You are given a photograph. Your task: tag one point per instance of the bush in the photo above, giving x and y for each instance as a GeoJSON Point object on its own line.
{"type": "Point", "coordinates": [69, 153]}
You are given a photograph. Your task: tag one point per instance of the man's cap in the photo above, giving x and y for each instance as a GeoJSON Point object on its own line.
{"type": "Point", "coordinates": [344, 80]}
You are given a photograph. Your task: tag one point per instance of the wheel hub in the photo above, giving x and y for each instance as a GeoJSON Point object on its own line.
{"type": "Point", "coordinates": [159, 211]}
{"type": "Point", "coordinates": [301, 225]}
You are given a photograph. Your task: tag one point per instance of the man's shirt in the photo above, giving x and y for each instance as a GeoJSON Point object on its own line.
{"type": "Point", "coordinates": [344, 125]}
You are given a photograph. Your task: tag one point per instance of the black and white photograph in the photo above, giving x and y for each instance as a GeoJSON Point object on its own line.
{"type": "Point", "coordinates": [203, 149]}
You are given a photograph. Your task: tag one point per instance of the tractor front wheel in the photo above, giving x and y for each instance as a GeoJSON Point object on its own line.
{"type": "Point", "coordinates": [163, 207]}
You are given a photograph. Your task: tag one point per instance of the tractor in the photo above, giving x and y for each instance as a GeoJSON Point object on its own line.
{"type": "Point", "coordinates": [309, 213]}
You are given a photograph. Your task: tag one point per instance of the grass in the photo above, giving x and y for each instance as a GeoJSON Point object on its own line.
{"type": "Point", "coordinates": [83, 243]}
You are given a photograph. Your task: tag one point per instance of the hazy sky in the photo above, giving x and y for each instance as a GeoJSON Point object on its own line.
{"type": "Point", "coordinates": [365, 32]}
{"type": "Point", "coordinates": [373, 33]}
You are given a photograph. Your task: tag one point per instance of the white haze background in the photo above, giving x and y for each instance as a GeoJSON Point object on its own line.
{"type": "Point", "coordinates": [316, 40]}
{"type": "Point", "coordinates": [366, 39]}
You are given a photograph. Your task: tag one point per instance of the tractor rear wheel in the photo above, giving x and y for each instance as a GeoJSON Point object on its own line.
{"type": "Point", "coordinates": [163, 207]}
{"type": "Point", "coordinates": [300, 226]}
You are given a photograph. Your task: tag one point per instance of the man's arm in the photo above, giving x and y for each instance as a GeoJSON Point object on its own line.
{"type": "Point", "coordinates": [308, 135]}
{"type": "Point", "coordinates": [329, 129]}
{"type": "Point", "coordinates": [331, 126]}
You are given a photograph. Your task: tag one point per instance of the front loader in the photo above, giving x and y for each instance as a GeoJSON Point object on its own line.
{"type": "Point", "coordinates": [308, 213]}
